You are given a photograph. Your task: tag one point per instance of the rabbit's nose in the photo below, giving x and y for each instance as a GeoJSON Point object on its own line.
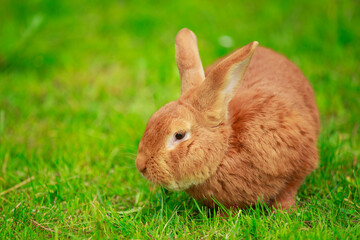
{"type": "Point", "coordinates": [141, 163]}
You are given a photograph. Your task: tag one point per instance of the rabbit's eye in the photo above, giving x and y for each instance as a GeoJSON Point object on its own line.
{"type": "Point", "coordinates": [180, 136]}
{"type": "Point", "coordinates": [177, 138]}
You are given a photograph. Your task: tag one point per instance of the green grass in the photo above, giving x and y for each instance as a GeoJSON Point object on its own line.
{"type": "Point", "coordinates": [79, 79]}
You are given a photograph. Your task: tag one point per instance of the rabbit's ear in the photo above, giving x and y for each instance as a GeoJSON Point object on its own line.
{"type": "Point", "coordinates": [188, 60]}
{"type": "Point", "coordinates": [223, 81]}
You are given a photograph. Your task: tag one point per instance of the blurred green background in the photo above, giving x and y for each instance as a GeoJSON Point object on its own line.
{"type": "Point", "coordinates": [79, 79]}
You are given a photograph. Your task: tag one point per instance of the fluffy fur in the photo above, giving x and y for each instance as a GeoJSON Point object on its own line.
{"type": "Point", "coordinates": [249, 126]}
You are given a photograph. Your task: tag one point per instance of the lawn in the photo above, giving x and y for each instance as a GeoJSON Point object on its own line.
{"type": "Point", "coordinates": [79, 80]}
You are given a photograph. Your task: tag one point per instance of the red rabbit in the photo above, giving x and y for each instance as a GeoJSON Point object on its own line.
{"type": "Point", "coordinates": [244, 130]}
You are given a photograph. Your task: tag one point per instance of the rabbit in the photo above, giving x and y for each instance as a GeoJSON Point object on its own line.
{"type": "Point", "coordinates": [242, 131]}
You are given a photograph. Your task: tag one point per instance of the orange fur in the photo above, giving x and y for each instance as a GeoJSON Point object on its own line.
{"type": "Point", "coordinates": [250, 124]}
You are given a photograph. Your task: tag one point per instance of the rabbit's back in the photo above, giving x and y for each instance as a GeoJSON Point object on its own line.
{"type": "Point", "coordinates": [275, 74]}
{"type": "Point", "coordinates": [278, 76]}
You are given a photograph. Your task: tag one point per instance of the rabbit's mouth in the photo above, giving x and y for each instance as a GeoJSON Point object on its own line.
{"type": "Point", "coordinates": [169, 183]}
